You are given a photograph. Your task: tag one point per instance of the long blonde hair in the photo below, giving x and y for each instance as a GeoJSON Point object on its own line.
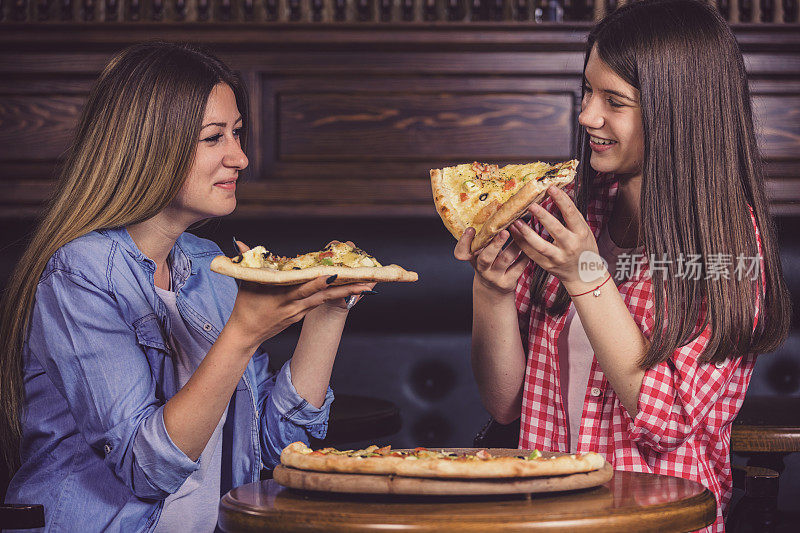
{"type": "Point", "coordinates": [133, 147]}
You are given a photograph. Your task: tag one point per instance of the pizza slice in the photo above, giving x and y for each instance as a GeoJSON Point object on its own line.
{"type": "Point", "coordinates": [350, 264]}
{"type": "Point", "coordinates": [489, 198]}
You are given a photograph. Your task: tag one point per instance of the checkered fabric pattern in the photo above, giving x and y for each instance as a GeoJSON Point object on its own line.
{"type": "Point", "coordinates": [685, 408]}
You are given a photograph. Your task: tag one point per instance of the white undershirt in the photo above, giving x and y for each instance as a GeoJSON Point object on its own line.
{"type": "Point", "coordinates": [194, 507]}
{"type": "Point", "coordinates": [575, 353]}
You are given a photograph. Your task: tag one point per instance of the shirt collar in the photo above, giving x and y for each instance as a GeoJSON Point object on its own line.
{"type": "Point", "coordinates": [180, 262]}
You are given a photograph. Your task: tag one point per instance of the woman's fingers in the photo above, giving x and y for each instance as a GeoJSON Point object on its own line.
{"type": "Point", "coordinates": [507, 256]}
{"type": "Point", "coordinates": [462, 251]}
{"type": "Point", "coordinates": [334, 293]}
{"type": "Point", "coordinates": [488, 255]}
{"type": "Point", "coordinates": [242, 246]}
{"type": "Point", "coordinates": [572, 216]}
{"type": "Point", "coordinates": [529, 241]}
{"type": "Point", "coordinates": [517, 267]}
{"type": "Point", "coordinates": [553, 226]}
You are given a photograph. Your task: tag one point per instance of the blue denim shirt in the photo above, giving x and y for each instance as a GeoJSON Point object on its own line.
{"type": "Point", "coordinates": [98, 371]}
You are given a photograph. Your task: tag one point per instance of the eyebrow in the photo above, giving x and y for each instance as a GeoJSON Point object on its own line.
{"type": "Point", "coordinates": [220, 124]}
{"type": "Point", "coordinates": [611, 91]}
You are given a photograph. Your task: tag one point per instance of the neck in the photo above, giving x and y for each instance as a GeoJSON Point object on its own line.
{"type": "Point", "coordinates": [623, 226]}
{"type": "Point", "coordinates": [156, 237]}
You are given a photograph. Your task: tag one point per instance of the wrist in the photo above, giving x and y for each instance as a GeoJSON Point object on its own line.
{"type": "Point", "coordinates": [489, 293]}
{"type": "Point", "coordinates": [327, 312]}
{"type": "Point", "coordinates": [237, 340]}
{"type": "Point", "coordinates": [578, 287]}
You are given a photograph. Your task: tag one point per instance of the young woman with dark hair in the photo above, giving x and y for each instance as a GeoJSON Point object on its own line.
{"type": "Point", "coordinates": [646, 357]}
{"type": "Point", "coordinates": [133, 388]}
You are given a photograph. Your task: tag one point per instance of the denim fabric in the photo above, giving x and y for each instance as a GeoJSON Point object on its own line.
{"type": "Point", "coordinates": [98, 371]}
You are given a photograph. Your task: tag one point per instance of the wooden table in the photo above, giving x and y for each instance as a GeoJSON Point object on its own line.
{"type": "Point", "coordinates": [630, 501]}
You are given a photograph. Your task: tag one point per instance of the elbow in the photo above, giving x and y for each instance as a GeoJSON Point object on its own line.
{"type": "Point", "coordinates": [505, 418]}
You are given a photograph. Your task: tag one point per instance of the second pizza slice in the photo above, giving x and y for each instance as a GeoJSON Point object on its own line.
{"type": "Point", "coordinates": [489, 198]}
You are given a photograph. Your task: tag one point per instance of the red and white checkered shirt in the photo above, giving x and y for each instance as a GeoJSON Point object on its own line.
{"type": "Point", "coordinates": [685, 408]}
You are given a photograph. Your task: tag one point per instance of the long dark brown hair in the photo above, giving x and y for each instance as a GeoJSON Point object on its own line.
{"type": "Point", "coordinates": [133, 148]}
{"type": "Point", "coordinates": [701, 173]}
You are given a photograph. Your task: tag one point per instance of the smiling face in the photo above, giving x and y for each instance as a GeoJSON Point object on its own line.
{"type": "Point", "coordinates": [210, 187]}
{"type": "Point", "coordinates": [612, 117]}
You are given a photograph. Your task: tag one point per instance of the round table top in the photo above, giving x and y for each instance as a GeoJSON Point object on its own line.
{"type": "Point", "coordinates": [632, 500]}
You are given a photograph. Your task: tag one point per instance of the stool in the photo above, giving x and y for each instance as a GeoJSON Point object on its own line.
{"type": "Point", "coordinates": [765, 431]}
{"type": "Point", "coordinates": [358, 418]}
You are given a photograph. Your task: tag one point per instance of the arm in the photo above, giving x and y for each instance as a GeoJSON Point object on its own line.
{"type": "Point", "coordinates": [498, 357]}
{"type": "Point", "coordinates": [312, 362]}
{"type": "Point", "coordinates": [260, 312]}
{"type": "Point", "coordinates": [296, 402]}
{"type": "Point", "coordinates": [618, 349]}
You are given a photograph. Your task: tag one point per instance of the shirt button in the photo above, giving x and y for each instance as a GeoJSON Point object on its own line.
{"type": "Point", "coordinates": [207, 326]}
{"type": "Point", "coordinates": [720, 364]}
{"type": "Point", "coordinates": [596, 391]}
{"type": "Point", "coordinates": [107, 448]}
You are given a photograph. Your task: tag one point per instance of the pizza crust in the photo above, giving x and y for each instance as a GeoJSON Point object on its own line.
{"type": "Point", "coordinates": [297, 455]}
{"type": "Point", "coordinates": [268, 276]}
{"type": "Point", "coordinates": [514, 208]}
{"type": "Point", "coordinates": [441, 199]}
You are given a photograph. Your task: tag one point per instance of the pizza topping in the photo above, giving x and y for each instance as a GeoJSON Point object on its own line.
{"type": "Point", "coordinates": [484, 171]}
{"type": "Point", "coordinates": [463, 197]}
{"type": "Point", "coordinates": [237, 259]}
{"type": "Point", "coordinates": [483, 454]}
{"type": "Point", "coordinates": [483, 196]}
{"type": "Point", "coordinates": [510, 184]}
{"type": "Point", "coordinates": [535, 454]}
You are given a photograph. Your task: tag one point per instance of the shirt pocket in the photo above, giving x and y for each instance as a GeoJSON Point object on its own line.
{"type": "Point", "coordinates": [151, 339]}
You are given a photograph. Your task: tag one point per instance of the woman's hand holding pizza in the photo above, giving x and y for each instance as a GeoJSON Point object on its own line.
{"type": "Point", "coordinates": [496, 269]}
{"type": "Point", "coordinates": [263, 311]}
{"type": "Point", "coordinates": [560, 257]}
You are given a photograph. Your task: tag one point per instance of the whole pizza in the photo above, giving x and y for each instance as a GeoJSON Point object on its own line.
{"type": "Point", "coordinates": [422, 462]}
{"type": "Point", "coordinates": [489, 198]}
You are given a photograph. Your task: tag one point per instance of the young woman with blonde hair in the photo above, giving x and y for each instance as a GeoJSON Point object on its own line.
{"type": "Point", "coordinates": [133, 388]}
{"type": "Point", "coordinates": [645, 359]}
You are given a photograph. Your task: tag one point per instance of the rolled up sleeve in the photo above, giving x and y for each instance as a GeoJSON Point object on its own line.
{"type": "Point", "coordinates": [287, 417]}
{"type": "Point", "coordinates": [677, 395]}
{"type": "Point", "coordinates": [95, 360]}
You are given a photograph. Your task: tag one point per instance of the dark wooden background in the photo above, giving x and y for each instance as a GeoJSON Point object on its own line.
{"type": "Point", "coordinates": [353, 101]}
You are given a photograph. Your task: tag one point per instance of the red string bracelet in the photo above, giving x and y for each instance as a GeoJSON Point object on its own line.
{"type": "Point", "coordinates": [595, 292]}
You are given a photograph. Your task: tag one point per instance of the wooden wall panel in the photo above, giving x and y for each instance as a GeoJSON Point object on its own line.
{"type": "Point", "coordinates": [347, 120]}
{"type": "Point", "coordinates": [360, 127]}
{"type": "Point", "coordinates": [777, 118]}
{"type": "Point", "coordinates": [38, 127]}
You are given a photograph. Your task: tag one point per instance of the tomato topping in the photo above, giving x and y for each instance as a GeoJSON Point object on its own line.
{"type": "Point", "coordinates": [316, 453]}
{"type": "Point", "coordinates": [383, 450]}
{"type": "Point", "coordinates": [396, 454]}
{"type": "Point", "coordinates": [326, 254]}
{"type": "Point", "coordinates": [464, 197]}
{"type": "Point", "coordinates": [509, 185]}
{"type": "Point", "coordinates": [419, 449]}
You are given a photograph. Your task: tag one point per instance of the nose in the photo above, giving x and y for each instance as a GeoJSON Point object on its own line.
{"type": "Point", "coordinates": [235, 158]}
{"type": "Point", "coordinates": [591, 116]}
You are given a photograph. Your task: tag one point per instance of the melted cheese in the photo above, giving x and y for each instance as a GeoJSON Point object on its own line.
{"type": "Point", "coordinates": [254, 257]}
